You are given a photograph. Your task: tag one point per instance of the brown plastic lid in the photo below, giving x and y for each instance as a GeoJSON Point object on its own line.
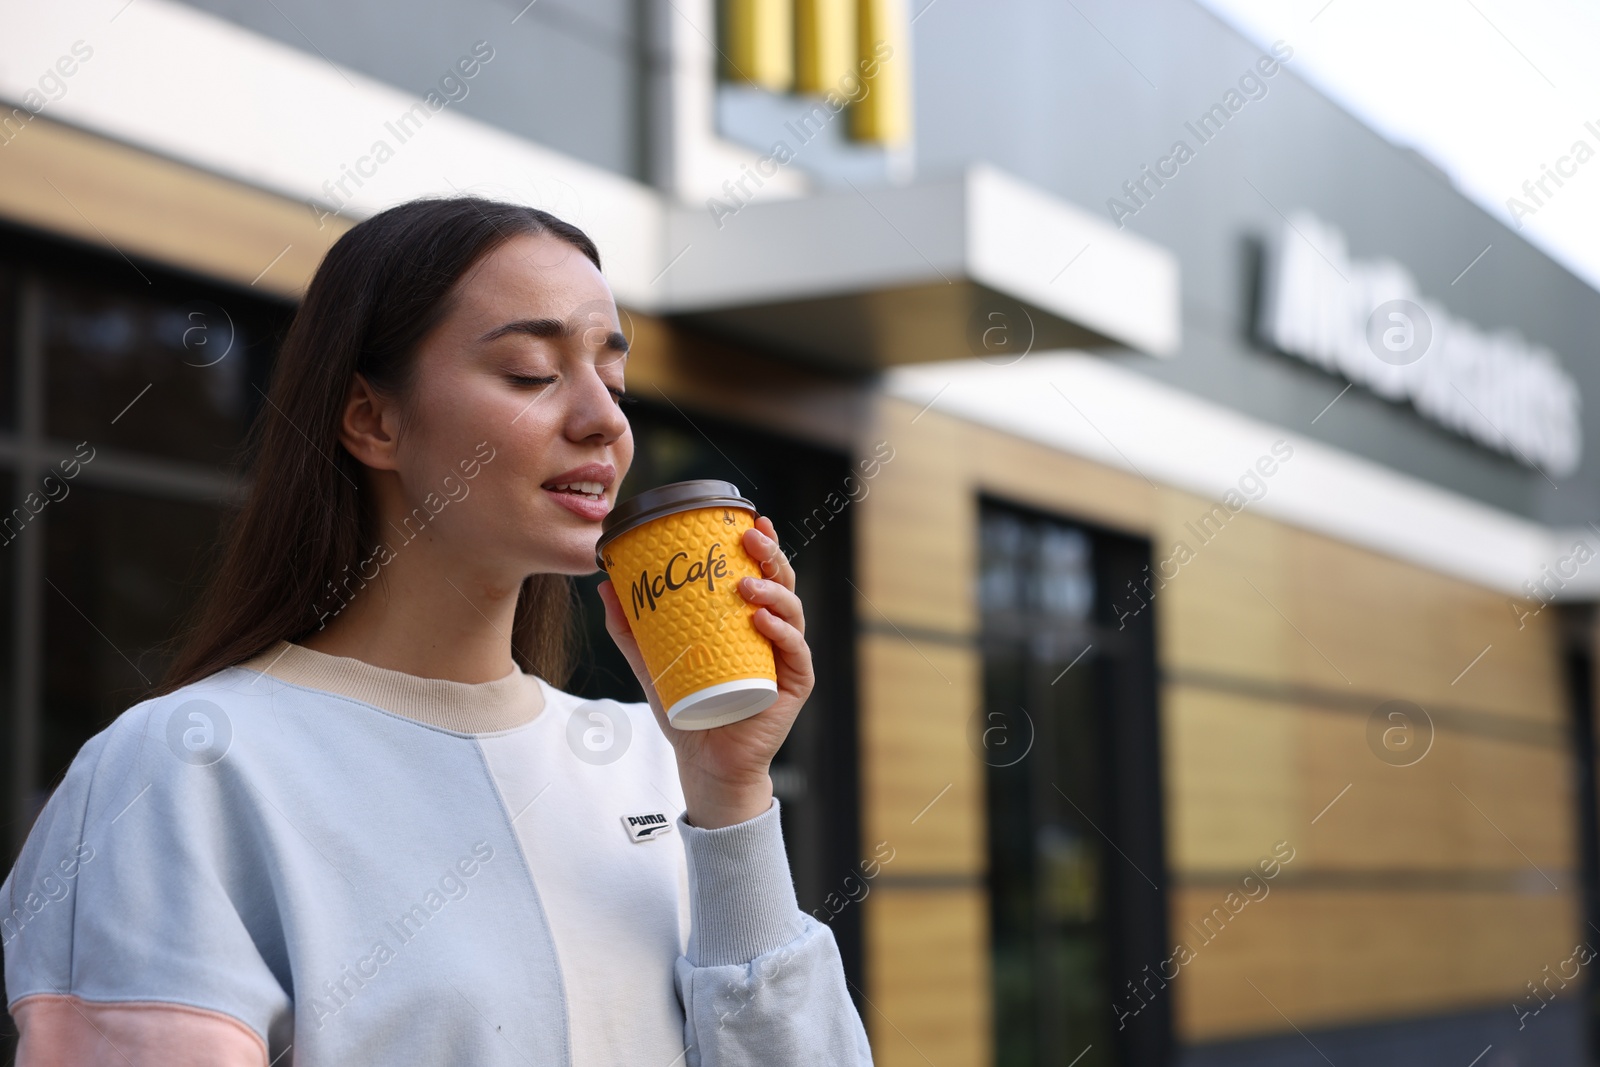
{"type": "Point", "coordinates": [666, 500]}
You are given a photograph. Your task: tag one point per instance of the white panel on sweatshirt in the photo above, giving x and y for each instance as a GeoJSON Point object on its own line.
{"type": "Point", "coordinates": [618, 908]}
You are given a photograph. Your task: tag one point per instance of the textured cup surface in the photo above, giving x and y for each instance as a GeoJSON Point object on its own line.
{"type": "Point", "coordinates": [677, 578]}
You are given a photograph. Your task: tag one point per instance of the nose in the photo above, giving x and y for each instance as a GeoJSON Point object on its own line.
{"type": "Point", "coordinates": [594, 411]}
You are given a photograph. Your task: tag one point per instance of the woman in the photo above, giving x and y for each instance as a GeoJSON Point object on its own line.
{"type": "Point", "coordinates": [358, 821]}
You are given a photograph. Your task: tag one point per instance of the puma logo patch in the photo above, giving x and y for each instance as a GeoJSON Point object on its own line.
{"type": "Point", "coordinates": [647, 826]}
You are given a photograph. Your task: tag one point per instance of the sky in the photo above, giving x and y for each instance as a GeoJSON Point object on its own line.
{"type": "Point", "coordinates": [1493, 92]}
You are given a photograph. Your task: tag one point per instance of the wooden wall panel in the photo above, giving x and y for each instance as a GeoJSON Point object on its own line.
{"type": "Point", "coordinates": [1243, 773]}
{"type": "Point", "coordinates": [1231, 780]}
{"type": "Point", "coordinates": [1472, 803]}
{"type": "Point", "coordinates": [1269, 602]}
{"type": "Point", "coordinates": [918, 699]}
{"type": "Point", "coordinates": [917, 531]}
{"type": "Point", "coordinates": [1411, 893]}
{"type": "Point", "coordinates": [66, 181]}
{"type": "Point", "coordinates": [1412, 632]}
{"type": "Point", "coordinates": [1208, 617]}
{"type": "Point", "coordinates": [1328, 957]}
{"type": "Point", "coordinates": [928, 959]}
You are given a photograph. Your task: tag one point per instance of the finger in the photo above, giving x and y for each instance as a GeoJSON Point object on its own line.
{"type": "Point", "coordinates": [785, 639]}
{"type": "Point", "coordinates": [616, 618]}
{"type": "Point", "coordinates": [776, 552]}
{"type": "Point", "coordinates": [764, 548]}
{"type": "Point", "coordinates": [617, 627]}
{"type": "Point", "coordinates": [777, 599]}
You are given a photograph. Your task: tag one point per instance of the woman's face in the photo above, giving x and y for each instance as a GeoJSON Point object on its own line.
{"type": "Point", "coordinates": [515, 389]}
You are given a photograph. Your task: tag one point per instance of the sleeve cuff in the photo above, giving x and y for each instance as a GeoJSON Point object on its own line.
{"type": "Point", "coordinates": [741, 896]}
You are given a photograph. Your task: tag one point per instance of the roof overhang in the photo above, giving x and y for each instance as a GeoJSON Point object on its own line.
{"type": "Point", "coordinates": [978, 265]}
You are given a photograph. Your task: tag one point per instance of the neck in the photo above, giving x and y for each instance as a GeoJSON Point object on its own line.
{"type": "Point", "coordinates": [425, 614]}
{"type": "Point", "coordinates": [483, 707]}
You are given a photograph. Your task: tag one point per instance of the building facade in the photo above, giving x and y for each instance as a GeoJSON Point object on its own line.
{"type": "Point", "coordinates": [1200, 680]}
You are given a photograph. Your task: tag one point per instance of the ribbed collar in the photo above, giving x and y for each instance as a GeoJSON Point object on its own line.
{"type": "Point", "coordinates": [466, 707]}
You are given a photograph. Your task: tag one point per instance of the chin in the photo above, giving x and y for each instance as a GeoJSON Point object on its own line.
{"type": "Point", "coordinates": [577, 564]}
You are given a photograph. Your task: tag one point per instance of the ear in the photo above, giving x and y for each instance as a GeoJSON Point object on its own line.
{"type": "Point", "coordinates": [369, 427]}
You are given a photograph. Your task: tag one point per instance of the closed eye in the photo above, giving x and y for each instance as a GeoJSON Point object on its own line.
{"type": "Point", "coordinates": [623, 397]}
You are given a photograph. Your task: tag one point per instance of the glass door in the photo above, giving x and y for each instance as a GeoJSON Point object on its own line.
{"type": "Point", "coordinates": [1067, 731]}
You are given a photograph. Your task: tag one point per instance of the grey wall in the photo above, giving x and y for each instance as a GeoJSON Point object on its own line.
{"type": "Point", "coordinates": [565, 73]}
{"type": "Point", "coordinates": [1033, 87]}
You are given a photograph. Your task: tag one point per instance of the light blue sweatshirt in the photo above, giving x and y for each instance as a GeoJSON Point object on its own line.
{"type": "Point", "coordinates": [309, 853]}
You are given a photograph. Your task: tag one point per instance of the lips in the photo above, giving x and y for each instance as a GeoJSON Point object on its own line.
{"type": "Point", "coordinates": [582, 490]}
{"type": "Point", "coordinates": [591, 479]}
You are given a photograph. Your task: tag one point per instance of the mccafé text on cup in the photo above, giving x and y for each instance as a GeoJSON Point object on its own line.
{"type": "Point", "coordinates": [675, 555]}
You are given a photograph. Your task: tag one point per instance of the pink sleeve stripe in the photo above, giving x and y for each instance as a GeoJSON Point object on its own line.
{"type": "Point", "coordinates": [67, 1031]}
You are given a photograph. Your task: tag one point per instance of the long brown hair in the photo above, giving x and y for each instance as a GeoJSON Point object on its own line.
{"type": "Point", "coordinates": [382, 286]}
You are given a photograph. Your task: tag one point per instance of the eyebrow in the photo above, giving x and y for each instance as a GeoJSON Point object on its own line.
{"type": "Point", "coordinates": [549, 328]}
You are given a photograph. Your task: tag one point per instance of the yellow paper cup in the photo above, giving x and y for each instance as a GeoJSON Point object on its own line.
{"type": "Point", "coordinates": [675, 555]}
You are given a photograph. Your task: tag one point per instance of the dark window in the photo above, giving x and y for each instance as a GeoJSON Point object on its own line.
{"type": "Point", "coordinates": [1578, 623]}
{"type": "Point", "coordinates": [121, 571]}
{"type": "Point", "coordinates": [814, 773]}
{"type": "Point", "coordinates": [125, 394]}
{"type": "Point", "coordinates": [9, 292]}
{"type": "Point", "coordinates": [168, 376]}
{"type": "Point", "coordinates": [1068, 733]}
